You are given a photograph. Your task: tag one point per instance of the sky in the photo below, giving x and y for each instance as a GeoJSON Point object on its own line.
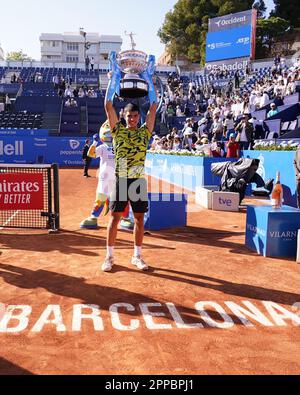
{"type": "Point", "coordinates": [21, 29]}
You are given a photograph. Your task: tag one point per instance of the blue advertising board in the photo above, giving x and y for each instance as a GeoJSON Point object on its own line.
{"type": "Point", "coordinates": [187, 172]}
{"type": "Point", "coordinates": [66, 151]}
{"type": "Point", "coordinates": [90, 80]}
{"type": "Point", "coordinates": [227, 44]}
{"type": "Point", "coordinates": [24, 132]}
{"type": "Point", "coordinates": [272, 232]}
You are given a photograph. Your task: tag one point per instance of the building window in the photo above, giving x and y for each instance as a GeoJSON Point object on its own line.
{"type": "Point", "coordinates": [73, 47]}
{"type": "Point", "coordinates": [54, 43]}
{"type": "Point", "coordinates": [72, 59]}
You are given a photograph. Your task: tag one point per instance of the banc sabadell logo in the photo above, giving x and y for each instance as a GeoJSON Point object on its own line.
{"type": "Point", "coordinates": [74, 144]}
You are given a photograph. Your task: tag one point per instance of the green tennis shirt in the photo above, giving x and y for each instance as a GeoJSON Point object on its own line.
{"type": "Point", "coordinates": [130, 150]}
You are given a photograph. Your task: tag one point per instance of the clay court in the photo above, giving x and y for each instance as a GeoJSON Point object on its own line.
{"type": "Point", "coordinates": [52, 275]}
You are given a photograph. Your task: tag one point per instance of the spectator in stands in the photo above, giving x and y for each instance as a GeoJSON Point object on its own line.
{"type": "Point", "coordinates": [233, 148]}
{"type": "Point", "coordinates": [245, 132]}
{"type": "Point", "coordinates": [216, 149]}
{"type": "Point", "coordinates": [179, 113]}
{"type": "Point", "coordinates": [188, 135]}
{"type": "Point", "coordinates": [252, 101]}
{"type": "Point", "coordinates": [170, 142]}
{"type": "Point", "coordinates": [278, 100]}
{"type": "Point", "coordinates": [62, 85]}
{"type": "Point", "coordinates": [55, 81]}
{"type": "Point", "coordinates": [228, 125]}
{"type": "Point", "coordinates": [75, 92]}
{"type": "Point", "coordinates": [86, 159]}
{"type": "Point", "coordinates": [177, 143]}
{"type": "Point", "coordinates": [217, 128]}
{"type": "Point", "coordinates": [7, 103]}
{"type": "Point", "coordinates": [274, 110]}
{"type": "Point", "coordinates": [92, 62]}
{"type": "Point", "coordinates": [174, 132]}
{"type": "Point", "coordinates": [68, 92]}
{"type": "Point", "coordinates": [170, 114]}
{"type": "Point", "coordinates": [73, 103]}
{"type": "Point", "coordinates": [91, 93]}
{"type": "Point", "coordinates": [203, 145]}
{"type": "Point", "coordinates": [68, 103]}
{"type": "Point", "coordinates": [203, 127]}
{"type": "Point", "coordinates": [81, 93]}
{"type": "Point", "coordinates": [156, 144]}
{"type": "Point", "coordinates": [87, 63]}
{"type": "Point", "coordinates": [3, 80]}
{"type": "Point", "coordinates": [186, 110]}
{"type": "Point", "coordinates": [13, 78]}
{"type": "Point", "coordinates": [237, 80]}
{"type": "Point", "coordinates": [194, 125]}
{"type": "Point", "coordinates": [264, 99]}
{"type": "Point", "coordinates": [163, 113]}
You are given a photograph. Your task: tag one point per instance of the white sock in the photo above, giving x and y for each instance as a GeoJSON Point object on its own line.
{"type": "Point", "coordinates": [137, 252]}
{"type": "Point", "coordinates": [110, 252]}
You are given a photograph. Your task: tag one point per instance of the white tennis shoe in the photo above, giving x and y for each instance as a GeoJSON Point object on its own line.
{"type": "Point", "coordinates": [139, 263]}
{"type": "Point", "coordinates": [108, 264]}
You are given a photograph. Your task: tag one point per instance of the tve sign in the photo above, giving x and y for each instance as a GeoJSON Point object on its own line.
{"type": "Point", "coordinates": [225, 201]}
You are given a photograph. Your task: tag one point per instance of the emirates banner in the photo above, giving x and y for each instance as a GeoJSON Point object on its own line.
{"type": "Point", "coordinates": [21, 191]}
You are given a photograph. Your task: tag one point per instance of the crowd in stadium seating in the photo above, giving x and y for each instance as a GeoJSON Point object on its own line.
{"type": "Point", "coordinates": [224, 114]}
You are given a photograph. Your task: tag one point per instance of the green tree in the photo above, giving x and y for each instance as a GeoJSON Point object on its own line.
{"type": "Point", "coordinates": [18, 56]}
{"type": "Point", "coordinates": [185, 27]}
{"type": "Point", "coordinates": [288, 10]}
{"type": "Point", "coordinates": [268, 30]}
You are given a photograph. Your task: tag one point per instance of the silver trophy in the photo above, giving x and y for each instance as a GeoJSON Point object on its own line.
{"type": "Point", "coordinates": [133, 63]}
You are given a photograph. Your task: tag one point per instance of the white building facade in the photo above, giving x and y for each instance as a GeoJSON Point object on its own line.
{"type": "Point", "coordinates": [70, 47]}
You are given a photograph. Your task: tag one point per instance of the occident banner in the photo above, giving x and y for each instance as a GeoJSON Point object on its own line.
{"type": "Point", "coordinates": [230, 21]}
{"type": "Point", "coordinates": [232, 36]}
{"type": "Point", "coordinates": [21, 191]}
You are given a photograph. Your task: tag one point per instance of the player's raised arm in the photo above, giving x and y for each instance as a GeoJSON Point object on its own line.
{"type": "Point", "coordinates": [113, 87]}
{"type": "Point", "coordinates": [148, 76]}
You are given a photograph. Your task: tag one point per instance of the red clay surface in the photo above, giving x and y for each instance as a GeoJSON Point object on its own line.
{"type": "Point", "coordinates": [206, 261]}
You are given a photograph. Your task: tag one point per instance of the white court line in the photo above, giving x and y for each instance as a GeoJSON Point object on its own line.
{"type": "Point", "coordinates": [10, 219]}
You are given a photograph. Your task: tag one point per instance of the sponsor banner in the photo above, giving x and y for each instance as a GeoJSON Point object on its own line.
{"type": "Point", "coordinates": [220, 83]}
{"type": "Point", "coordinates": [184, 171]}
{"type": "Point", "coordinates": [228, 44]}
{"type": "Point", "coordinates": [21, 132]}
{"type": "Point", "coordinates": [66, 151]}
{"type": "Point", "coordinates": [88, 80]}
{"type": "Point", "coordinates": [228, 65]}
{"type": "Point", "coordinates": [230, 21]}
{"type": "Point", "coordinates": [271, 232]}
{"type": "Point", "coordinates": [22, 191]}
